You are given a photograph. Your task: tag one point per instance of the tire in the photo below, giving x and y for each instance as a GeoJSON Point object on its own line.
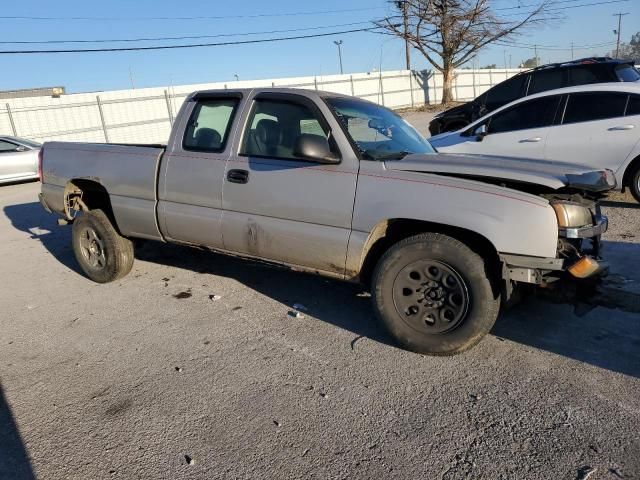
{"type": "Point", "coordinates": [634, 183]}
{"type": "Point", "coordinates": [102, 253]}
{"type": "Point", "coordinates": [434, 269]}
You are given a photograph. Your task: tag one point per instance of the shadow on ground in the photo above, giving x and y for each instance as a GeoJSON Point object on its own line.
{"type": "Point", "coordinates": [14, 461]}
{"type": "Point", "coordinates": [603, 337]}
{"type": "Point", "coordinates": [40, 225]}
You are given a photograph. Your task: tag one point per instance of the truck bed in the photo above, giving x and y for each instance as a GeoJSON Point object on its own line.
{"type": "Point", "coordinates": [127, 171]}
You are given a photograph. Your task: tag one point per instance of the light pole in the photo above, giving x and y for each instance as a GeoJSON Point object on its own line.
{"type": "Point", "coordinates": [619, 15]}
{"type": "Point", "coordinates": [339, 44]}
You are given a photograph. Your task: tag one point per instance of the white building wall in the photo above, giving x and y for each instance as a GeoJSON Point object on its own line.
{"type": "Point", "coordinates": [144, 115]}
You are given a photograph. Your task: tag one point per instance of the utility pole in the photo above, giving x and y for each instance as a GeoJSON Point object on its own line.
{"type": "Point", "coordinates": [571, 50]}
{"type": "Point", "coordinates": [535, 55]}
{"type": "Point", "coordinates": [402, 5]}
{"type": "Point", "coordinates": [619, 15]}
{"type": "Point", "coordinates": [505, 58]}
{"type": "Point", "coordinates": [339, 44]}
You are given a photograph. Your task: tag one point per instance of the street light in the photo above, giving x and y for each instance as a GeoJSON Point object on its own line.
{"type": "Point", "coordinates": [339, 44]}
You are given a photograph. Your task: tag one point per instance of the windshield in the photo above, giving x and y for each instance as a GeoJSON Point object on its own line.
{"type": "Point", "coordinates": [626, 73]}
{"type": "Point", "coordinates": [379, 133]}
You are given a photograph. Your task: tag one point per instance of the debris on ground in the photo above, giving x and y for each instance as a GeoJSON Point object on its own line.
{"type": "Point", "coordinates": [214, 297]}
{"type": "Point", "coordinates": [189, 460]}
{"type": "Point", "coordinates": [185, 294]}
{"type": "Point", "coordinates": [294, 314]}
{"type": "Point", "coordinates": [178, 369]}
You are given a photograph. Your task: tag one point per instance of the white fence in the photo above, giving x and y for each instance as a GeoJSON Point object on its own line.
{"type": "Point", "coordinates": [145, 115]}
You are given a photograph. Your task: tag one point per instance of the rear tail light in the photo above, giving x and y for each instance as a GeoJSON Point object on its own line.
{"type": "Point", "coordinates": [40, 156]}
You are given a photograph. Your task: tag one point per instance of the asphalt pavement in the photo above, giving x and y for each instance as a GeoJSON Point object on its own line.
{"type": "Point", "coordinates": [195, 365]}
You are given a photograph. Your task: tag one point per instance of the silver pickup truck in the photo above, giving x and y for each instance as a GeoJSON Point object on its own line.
{"type": "Point", "coordinates": [340, 187]}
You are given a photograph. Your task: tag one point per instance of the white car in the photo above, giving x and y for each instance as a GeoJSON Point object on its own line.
{"type": "Point", "coordinates": [595, 125]}
{"type": "Point", "coordinates": [18, 159]}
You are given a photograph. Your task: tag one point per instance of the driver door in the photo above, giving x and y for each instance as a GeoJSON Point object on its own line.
{"type": "Point", "coordinates": [281, 207]}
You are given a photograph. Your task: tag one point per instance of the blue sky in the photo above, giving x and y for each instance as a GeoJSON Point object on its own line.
{"type": "Point", "coordinates": [361, 51]}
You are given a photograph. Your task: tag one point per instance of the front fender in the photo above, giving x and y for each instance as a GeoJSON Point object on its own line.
{"type": "Point", "coordinates": [514, 222]}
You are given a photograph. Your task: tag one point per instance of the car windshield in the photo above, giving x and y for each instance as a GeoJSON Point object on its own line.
{"type": "Point", "coordinates": [627, 73]}
{"type": "Point", "coordinates": [379, 133]}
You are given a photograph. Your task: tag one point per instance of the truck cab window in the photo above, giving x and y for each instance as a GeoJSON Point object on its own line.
{"type": "Point", "coordinates": [209, 125]}
{"type": "Point", "coordinates": [274, 127]}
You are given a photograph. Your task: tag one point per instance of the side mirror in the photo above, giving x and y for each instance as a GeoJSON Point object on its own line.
{"type": "Point", "coordinates": [481, 132]}
{"type": "Point", "coordinates": [315, 148]}
{"type": "Point", "coordinates": [21, 148]}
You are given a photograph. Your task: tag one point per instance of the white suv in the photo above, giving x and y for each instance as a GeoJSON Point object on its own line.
{"type": "Point", "coordinates": [596, 125]}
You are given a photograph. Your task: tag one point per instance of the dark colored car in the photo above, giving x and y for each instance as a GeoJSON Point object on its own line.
{"type": "Point", "coordinates": [540, 79]}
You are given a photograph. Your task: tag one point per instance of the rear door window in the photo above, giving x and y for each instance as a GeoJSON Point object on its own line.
{"type": "Point", "coordinates": [210, 124]}
{"type": "Point", "coordinates": [537, 113]}
{"type": "Point", "coordinates": [547, 80]}
{"type": "Point", "coordinates": [587, 107]}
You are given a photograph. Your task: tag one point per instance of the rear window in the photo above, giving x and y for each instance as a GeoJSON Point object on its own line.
{"type": "Point", "coordinates": [209, 125]}
{"type": "Point", "coordinates": [627, 73]}
{"type": "Point", "coordinates": [587, 107]}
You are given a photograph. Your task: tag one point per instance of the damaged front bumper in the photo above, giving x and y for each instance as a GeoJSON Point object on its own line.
{"type": "Point", "coordinates": [573, 258]}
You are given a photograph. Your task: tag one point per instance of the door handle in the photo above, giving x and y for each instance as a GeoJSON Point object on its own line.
{"type": "Point", "coordinates": [238, 176]}
{"type": "Point", "coordinates": [531, 140]}
{"type": "Point", "coordinates": [621, 127]}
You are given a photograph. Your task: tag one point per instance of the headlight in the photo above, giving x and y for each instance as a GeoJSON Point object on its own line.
{"type": "Point", "coordinates": [572, 214]}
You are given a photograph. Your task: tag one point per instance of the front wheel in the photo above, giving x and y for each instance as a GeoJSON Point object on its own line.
{"type": "Point", "coordinates": [434, 295]}
{"type": "Point", "coordinates": [103, 254]}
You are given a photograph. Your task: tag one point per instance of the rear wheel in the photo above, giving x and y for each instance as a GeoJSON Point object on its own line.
{"type": "Point", "coordinates": [634, 183]}
{"type": "Point", "coordinates": [103, 254]}
{"type": "Point", "coordinates": [434, 295]}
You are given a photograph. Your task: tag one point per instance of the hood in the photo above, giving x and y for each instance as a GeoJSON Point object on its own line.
{"type": "Point", "coordinates": [554, 175]}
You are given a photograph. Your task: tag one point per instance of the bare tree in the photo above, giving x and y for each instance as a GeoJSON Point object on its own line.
{"type": "Point", "coordinates": [451, 32]}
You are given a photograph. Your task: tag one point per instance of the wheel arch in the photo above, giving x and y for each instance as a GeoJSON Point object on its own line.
{"type": "Point", "coordinates": [87, 194]}
{"type": "Point", "coordinates": [628, 172]}
{"type": "Point", "coordinates": [389, 232]}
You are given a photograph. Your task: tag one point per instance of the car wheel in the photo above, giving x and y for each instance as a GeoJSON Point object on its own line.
{"type": "Point", "coordinates": [434, 295]}
{"type": "Point", "coordinates": [103, 254]}
{"type": "Point", "coordinates": [634, 183]}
